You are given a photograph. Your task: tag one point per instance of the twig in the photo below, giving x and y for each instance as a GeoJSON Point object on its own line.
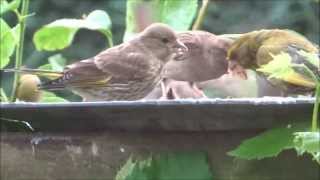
{"type": "Point", "coordinates": [201, 15]}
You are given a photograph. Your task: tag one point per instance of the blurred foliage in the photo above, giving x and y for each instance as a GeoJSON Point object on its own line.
{"type": "Point", "coordinates": [178, 14]}
{"type": "Point", "coordinates": [301, 16]}
{"type": "Point", "coordinates": [60, 33]}
{"type": "Point", "coordinates": [222, 17]}
{"type": "Point", "coordinates": [8, 43]}
{"type": "Point", "coordinates": [308, 142]}
{"type": "Point", "coordinates": [166, 166]}
{"type": "Point", "coordinates": [56, 63]}
{"type": "Point", "coordinates": [50, 97]}
{"type": "Point", "coordinates": [9, 6]}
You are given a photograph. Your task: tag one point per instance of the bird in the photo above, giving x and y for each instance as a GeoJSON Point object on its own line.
{"type": "Point", "coordinates": [204, 60]}
{"type": "Point", "coordinates": [255, 49]}
{"type": "Point", "coordinates": [128, 71]}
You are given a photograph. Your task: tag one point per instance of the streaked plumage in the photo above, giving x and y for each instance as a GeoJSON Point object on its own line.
{"type": "Point", "coordinates": [128, 71]}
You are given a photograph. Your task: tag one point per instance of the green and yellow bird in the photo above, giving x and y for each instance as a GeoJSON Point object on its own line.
{"type": "Point", "coordinates": [255, 49]}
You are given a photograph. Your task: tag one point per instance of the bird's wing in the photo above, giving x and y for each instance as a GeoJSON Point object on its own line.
{"type": "Point", "coordinates": [124, 62]}
{"type": "Point", "coordinates": [80, 74]}
{"type": "Point", "coordinates": [299, 77]}
{"type": "Point", "coordinates": [121, 63]}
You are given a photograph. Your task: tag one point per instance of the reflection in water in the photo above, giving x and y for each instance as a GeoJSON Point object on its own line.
{"type": "Point", "coordinates": [101, 155]}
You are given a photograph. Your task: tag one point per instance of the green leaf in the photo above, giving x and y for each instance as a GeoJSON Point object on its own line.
{"type": "Point", "coordinates": [16, 33]}
{"type": "Point", "coordinates": [279, 67]}
{"type": "Point", "coordinates": [308, 142]}
{"type": "Point", "coordinates": [101, 20]}
{"type": "Point", "coordinates": [138, 170]}
{"type": "Point", "coordinates": [45, 67]}
{"type": "Point", "coordinates": [53, 38]}
{"type": "Point", "coordinates": [5, 6]}
{"type": "Point", "coordinates": [50, 97]}
{"type": "Point", "coordinates": [60, 33]}
{"type": "Point", "coordinates": [126, 170]}
{"type": "Point", "coordinates": [176, 13]}
{"type": "Point", "coordinates": [268, 144]}
{"type": "Point", "coordinates": [57, 62]}
{"type": "Point", "coordinates": [283, 68]}
{"type": "Point", "coordinates": [182, 165]}
{"type": "Point", "coordinates": [7, 42]}
{"type": "Point", "coordinates": [13, 125]}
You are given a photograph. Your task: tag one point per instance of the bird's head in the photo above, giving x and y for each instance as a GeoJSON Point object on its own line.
{"type": "Point", "coordinates": [162, 41]}
{"type": "Point", "coordinates": [240, 57]}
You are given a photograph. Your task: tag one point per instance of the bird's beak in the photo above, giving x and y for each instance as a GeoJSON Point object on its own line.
{"type": "Point", "coordinates": [236, 70]}
{"type": "Point", "coordinates": [182, 46]}
{"type": "Point", "coordinates": [180, 49]}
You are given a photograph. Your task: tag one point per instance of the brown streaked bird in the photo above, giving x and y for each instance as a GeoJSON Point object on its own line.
{"type": "Point", "coordinates": [252, 50]}
{"type": "Point", "coordinates": [128, 71]}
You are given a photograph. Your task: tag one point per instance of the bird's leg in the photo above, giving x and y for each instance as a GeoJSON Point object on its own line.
{"type": "Point", "coordinates": [197, 90]}
{"type": "Point", "coordinates": [163, 90]}
{"type": "Point", "coordinates": [171, 94]}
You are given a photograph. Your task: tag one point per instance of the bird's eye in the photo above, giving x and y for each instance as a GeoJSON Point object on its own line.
{"type": "Point", "coordinates": [165, 40]}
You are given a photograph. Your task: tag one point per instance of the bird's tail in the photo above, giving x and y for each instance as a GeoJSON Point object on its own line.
{"type": "Point", "coordinates": [39, 72]}
{"type": "Point", "coordinates": [56, 84]}
{"type": "Point", "coordinates": [53, 76]}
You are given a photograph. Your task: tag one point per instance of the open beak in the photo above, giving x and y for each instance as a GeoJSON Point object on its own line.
{"type": "Point", "coordinates": [236, 70]}
{"type": "Point", "coordinates": [180, 50]}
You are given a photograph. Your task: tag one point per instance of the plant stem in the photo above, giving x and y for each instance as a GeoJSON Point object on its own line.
{"type": "Point", "coordinates": [315, 114]}
{"type": "Point", "coordinates": [110, 42]}
{"type": "Point", "coordinates": [201, 15]}
{"type": "Point", "coordinates": [3, 96]}
{"type": "Point", "coordinates": [19, 50]}
{"type": "Point", "coordinates": [108, 35]}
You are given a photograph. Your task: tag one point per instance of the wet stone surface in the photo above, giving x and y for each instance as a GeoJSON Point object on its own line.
{"type": "Point", "coordinates": [101, 155]}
